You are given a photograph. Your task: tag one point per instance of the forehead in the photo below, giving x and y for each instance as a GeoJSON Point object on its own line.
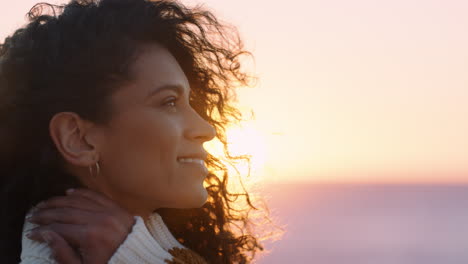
{"type": "Point", "coordinates": [157, 65]}
{"type": "Point", "coordinates": [154, 67]}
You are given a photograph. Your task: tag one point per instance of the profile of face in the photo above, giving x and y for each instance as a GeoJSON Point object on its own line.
{"type": "Point", "coordinates": [143, 150]}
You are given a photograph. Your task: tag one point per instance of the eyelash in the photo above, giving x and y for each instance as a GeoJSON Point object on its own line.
{"type": "Point", "coordinates": [173, 100]}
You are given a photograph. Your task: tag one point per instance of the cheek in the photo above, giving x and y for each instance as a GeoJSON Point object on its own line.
{"type": "Point", "coordinates": [141, 153]}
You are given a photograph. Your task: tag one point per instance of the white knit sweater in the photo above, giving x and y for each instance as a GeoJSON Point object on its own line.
{"type": "Point", "coordinates": [150, 243]}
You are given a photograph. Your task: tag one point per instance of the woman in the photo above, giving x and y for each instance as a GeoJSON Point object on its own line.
{"type": "Point", "coordinates": [105, 108]}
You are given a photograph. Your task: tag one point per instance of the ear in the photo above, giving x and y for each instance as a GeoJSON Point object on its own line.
{"type": "Point", "coordinates": [74, 138]}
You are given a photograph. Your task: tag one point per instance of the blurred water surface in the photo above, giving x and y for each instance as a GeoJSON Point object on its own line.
{"type": "Point", "coordinates": [369, 224]}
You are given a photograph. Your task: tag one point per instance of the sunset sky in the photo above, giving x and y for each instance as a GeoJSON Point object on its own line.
{"type": "Point", "coordinates": [354, 91]}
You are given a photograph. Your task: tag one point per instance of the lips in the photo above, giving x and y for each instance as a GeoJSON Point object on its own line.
{"type": "Point", "coordinates": [195, 163]}
{"type": "Point", "coordinates": [189, 157]}
{"type": "Point", "coordinates": [191, 160]}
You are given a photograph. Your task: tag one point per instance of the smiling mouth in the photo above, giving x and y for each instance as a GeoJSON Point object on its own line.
{"type": "Point", "coordinates": [195, 163]}
{"type": "Point", "coordinates": [191, 160]}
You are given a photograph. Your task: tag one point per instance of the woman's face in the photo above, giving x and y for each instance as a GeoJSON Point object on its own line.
{"type": "Point", "coordinates": [152, 128]}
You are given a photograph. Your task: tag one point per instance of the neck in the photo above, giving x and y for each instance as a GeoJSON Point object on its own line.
{"type": "Point", "coordinates": [132, 205]}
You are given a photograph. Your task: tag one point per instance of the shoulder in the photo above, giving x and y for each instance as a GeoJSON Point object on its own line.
{"type": "Point", "coordinates": [164, 237]}
{"type": "Point", "coordinates": [152, 242]}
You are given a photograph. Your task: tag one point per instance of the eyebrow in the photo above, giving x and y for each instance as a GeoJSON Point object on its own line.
{"type": "Point", "coordinates": [179, 89]}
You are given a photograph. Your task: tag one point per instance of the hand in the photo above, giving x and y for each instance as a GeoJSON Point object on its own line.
{"type": "Point", "coordinates": [82, 227]}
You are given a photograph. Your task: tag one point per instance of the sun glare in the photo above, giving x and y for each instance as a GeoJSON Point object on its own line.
{"type": "Point", "coordinates": [243, 139]}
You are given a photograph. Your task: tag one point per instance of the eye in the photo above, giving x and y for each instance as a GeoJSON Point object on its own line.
{"type": "Point", "coordinates": [170, 102]}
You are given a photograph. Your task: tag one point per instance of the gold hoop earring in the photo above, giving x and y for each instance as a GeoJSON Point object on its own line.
{"type": "Point", "coordinates": [98, 169]}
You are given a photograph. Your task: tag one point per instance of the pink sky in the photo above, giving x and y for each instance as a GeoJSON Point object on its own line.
{"type": "Point", "coordinates": [351, 90]}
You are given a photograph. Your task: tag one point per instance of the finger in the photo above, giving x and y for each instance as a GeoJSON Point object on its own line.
{"type": "Point", "coordinates": [75, 201]}
{"type": "Point", "coordinates": [61, 250]}
{"type": "Point", "coordinates": [99, 198]}
{"type": "Point", "coordinates": [61, 215]}
{"type": "Point", "coordinates": [73, 234]}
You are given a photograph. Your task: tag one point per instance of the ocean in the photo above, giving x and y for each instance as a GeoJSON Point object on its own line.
{"type": "Point", "coordinates": [368, 224]}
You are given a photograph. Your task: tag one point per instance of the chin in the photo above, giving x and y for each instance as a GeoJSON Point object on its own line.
{"type": "Point", "coordinates": [197, 200]}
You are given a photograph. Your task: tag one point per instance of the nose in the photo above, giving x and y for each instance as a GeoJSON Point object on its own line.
{"type": "Point", "coordinates": [199, 129]}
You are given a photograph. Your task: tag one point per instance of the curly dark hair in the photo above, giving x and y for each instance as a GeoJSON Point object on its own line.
{"type": "Point", "coordinates": [72, 58]}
